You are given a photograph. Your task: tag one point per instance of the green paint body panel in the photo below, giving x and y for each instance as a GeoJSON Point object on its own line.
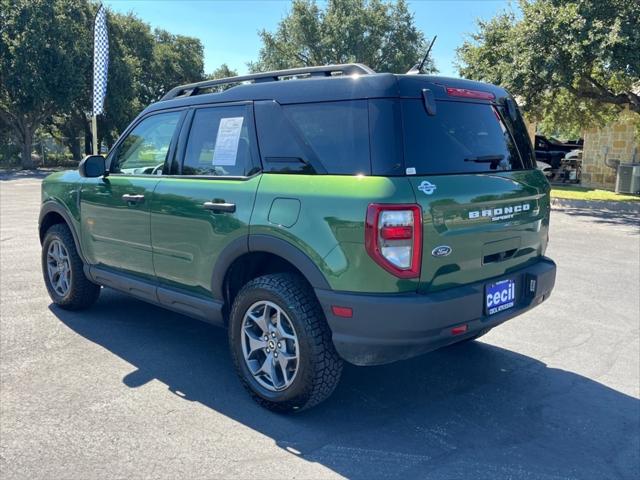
{"type": "Point", "coordinates": [63, 188]}
{"type": "Point", "coordinates": [330, 225]}
{"type": "Point", "coordinates": [115, 233]}
{"type": "Point", "coordinates": [446, 221]}
{"type": "Point", "coordinates": [187, 239]}
{"type": "Point", "coordinates": [172, 239]}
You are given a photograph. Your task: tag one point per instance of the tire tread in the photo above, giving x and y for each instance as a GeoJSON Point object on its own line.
{"type": "Point", "coordinates": [298, 295]}
{"type": "Point", "coordinates": [84, 293]}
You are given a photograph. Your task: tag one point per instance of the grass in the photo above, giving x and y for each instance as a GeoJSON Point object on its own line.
{"type": "Point", "coordinates": [581, 193]}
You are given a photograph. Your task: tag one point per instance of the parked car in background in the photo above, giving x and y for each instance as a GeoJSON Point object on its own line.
{"type": "Point", "coordinates": [545, 168]}
{"type": "Point", "coordinates": [552, 151]}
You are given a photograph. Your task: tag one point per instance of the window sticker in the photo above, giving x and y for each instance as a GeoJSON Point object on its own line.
{"type": "Point", "coordinates": [226, 149]}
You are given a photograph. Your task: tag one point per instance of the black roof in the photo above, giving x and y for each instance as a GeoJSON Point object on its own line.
{"type": "Point", "coordinates": [322, 88]}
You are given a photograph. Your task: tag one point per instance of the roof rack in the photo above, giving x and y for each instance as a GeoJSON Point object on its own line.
{"type": "Point", "coordinates": [321, 71]}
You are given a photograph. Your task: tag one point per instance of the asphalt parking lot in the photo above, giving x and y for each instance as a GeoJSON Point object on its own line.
{"type": "Point", "coordinates": [128, 390]}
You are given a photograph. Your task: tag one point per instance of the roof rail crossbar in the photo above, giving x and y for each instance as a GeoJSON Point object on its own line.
{"type": "Point", "coordinates": [320, 71]}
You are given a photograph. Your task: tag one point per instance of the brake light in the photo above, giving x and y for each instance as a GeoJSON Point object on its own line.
{"type": "Point", "coordinates": [393, 238]}
{"type": "Point", "coordinates": [466, 93]}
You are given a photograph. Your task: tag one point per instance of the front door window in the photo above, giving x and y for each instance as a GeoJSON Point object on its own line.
{"type": "Point", "coordinates": [144, 150]}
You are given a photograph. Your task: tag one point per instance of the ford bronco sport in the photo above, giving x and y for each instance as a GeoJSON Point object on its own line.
{"type": "Point", "coordinates": [320, 214]}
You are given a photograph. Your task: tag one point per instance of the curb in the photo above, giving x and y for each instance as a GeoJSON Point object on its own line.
{"type": "Point", "coordinates": [622, 207]}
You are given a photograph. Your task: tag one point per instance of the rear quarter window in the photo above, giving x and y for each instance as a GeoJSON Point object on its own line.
{"type": "Point", "coordinates": [337, 132]}
{"type": "Point", "coordinates": [462, 137]}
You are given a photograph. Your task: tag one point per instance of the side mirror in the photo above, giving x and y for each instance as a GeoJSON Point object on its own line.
{"type": "Point", "coordinates": [93, 166]}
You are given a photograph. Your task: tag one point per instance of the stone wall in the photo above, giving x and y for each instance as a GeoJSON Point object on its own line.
{"type": "Point", "coordinates": [620, 138]}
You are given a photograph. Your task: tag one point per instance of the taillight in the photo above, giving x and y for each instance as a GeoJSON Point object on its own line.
{"type": "Point", "coordinates": [393, 238]}
{"type": "Point", "coordinates": [466, 93]}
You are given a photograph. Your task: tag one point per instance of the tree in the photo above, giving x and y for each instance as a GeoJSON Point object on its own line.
{"type": "Point", "coordinates": [223, 71]}
{"type": "Point", "coordinates": [572, 63]}
{"type": "Point", "coordinates": [41, 66]}
{"type": "Point", "coordinates": [379, 34]}
{"type": "Point", "coordinates": [142, 67]}
{"type": "Point", "coordinates": [46, 69]}
{"type": "Point", "coordinates": [176, 60]}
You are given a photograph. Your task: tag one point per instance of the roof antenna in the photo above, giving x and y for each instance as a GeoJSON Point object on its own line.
{"type": "Point", "coordinates": [418, 67]}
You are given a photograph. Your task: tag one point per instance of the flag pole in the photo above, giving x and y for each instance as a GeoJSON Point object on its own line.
{"type": "Point", "coordinates": [94, 130]}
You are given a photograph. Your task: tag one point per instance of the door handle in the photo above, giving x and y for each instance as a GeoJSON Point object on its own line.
{"type": "Point", "coordinates": [220, 207]}
{"type": "Point", "coordinates": [133, 198]}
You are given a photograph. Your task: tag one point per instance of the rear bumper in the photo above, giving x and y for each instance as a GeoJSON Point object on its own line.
{"type": "Point", "coordinates": [390, 327]}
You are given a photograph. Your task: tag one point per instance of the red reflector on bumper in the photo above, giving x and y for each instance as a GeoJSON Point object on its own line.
{"type": "Point", "coordinates": [459, 330]}
{"type": "Point", "coordinates": [346, 312]}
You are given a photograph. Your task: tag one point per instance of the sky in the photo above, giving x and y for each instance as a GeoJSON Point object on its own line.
{"type": "Point", "coordinates": [229, 29]}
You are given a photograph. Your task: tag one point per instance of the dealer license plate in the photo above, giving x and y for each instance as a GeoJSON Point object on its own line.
{"type": "Point", "coordinates": [500, 296]}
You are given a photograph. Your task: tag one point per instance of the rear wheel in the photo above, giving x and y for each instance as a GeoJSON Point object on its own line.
{"type": "Point", "coordinates": [63, 272]}
{"type": "Point", "coordinates": [281, 344]}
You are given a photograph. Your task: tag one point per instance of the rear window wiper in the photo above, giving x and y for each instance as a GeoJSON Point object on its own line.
{"type": "Point", "coordinates": [485, 159]}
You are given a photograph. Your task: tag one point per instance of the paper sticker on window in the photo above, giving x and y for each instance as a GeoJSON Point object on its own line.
{"type": "Point", "coordinates": [226, 148]}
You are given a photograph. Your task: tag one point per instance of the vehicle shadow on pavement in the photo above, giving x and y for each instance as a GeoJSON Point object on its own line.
{"type": "Point", "coordinates": [468, 411]}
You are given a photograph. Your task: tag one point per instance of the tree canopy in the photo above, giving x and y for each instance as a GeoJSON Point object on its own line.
{"type": "Point", "coordinates": [46, 69]}
{"type": "Point", "coordinates": [42, 64]}
{"type": "Point", "coordinates": [377, 33]}
{"type": "Point", "coordinates": [571, 63]}
{"type": "Point", "coordinates": [46, 60]}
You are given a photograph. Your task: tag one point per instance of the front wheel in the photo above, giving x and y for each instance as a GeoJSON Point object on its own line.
{"type": "Point", "coordinates": [281, 344]}
{"type": "Point", "coordinates": [63, 272]}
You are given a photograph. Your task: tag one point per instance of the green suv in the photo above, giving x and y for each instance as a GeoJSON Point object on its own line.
{"type": "Point", "coordinates": [319, 214]}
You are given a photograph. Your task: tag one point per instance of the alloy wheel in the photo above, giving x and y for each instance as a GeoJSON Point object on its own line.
{"type": "Point", "coordinates": [58, 267]}
{"type": "Point", "coordinates": [270, 346]}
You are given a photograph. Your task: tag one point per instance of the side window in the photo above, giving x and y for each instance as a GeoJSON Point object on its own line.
{"type": "Point", "coordinates": [219, 143]}
{"type": "Point", "coordinates": [145, 149]}
{"type": "Point", "coordinates": [338, 133]}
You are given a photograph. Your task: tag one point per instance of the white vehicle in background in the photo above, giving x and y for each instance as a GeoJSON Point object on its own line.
{"type": "Point", "coordinates": [569, 170]}
{"type": "Point", "coordinates": [546, 169]}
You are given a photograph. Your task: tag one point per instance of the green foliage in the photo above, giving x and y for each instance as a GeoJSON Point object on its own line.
{"type": "Point", "coordinates": [571, 63]}
{"type": "Point", "coordinates": [223, 71]}
{"type": "Point", "coordinates": [46, 69]}
{"type": "Point", "coordinates": [46, 61]}
{"type": "Point", "coordinates": [379, 34]}
{"type": "Point", "coordinates": [176, 60]}
{"type": "Point", "coordinates": [41, 63]}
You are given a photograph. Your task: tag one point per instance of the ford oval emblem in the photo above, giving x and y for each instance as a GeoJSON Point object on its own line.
{"type": "Point", "coordinates": [441, 251]}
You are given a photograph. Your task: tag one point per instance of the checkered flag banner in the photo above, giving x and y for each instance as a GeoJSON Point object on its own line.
{"type": "Point", "coordinates": [100, 60]}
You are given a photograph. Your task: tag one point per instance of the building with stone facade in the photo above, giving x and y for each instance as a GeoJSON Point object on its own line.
{"type": "Point", "coordinates": [616, 141]}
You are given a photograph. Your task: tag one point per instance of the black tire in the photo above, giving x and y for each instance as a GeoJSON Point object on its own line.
{"type": "Point", "coordinates": [319, 366]}
{"type": "Point", "coordinates": [82, 293]}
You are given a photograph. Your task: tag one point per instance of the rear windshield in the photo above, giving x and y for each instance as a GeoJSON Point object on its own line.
{"type": "Point", "coordinates": [462, 137]}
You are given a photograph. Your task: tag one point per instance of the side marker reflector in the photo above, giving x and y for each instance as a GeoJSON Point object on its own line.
{"type": "Point", "coordinates": [459, 330]}
{"type": "Point", "coordinates": [345, 312]}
